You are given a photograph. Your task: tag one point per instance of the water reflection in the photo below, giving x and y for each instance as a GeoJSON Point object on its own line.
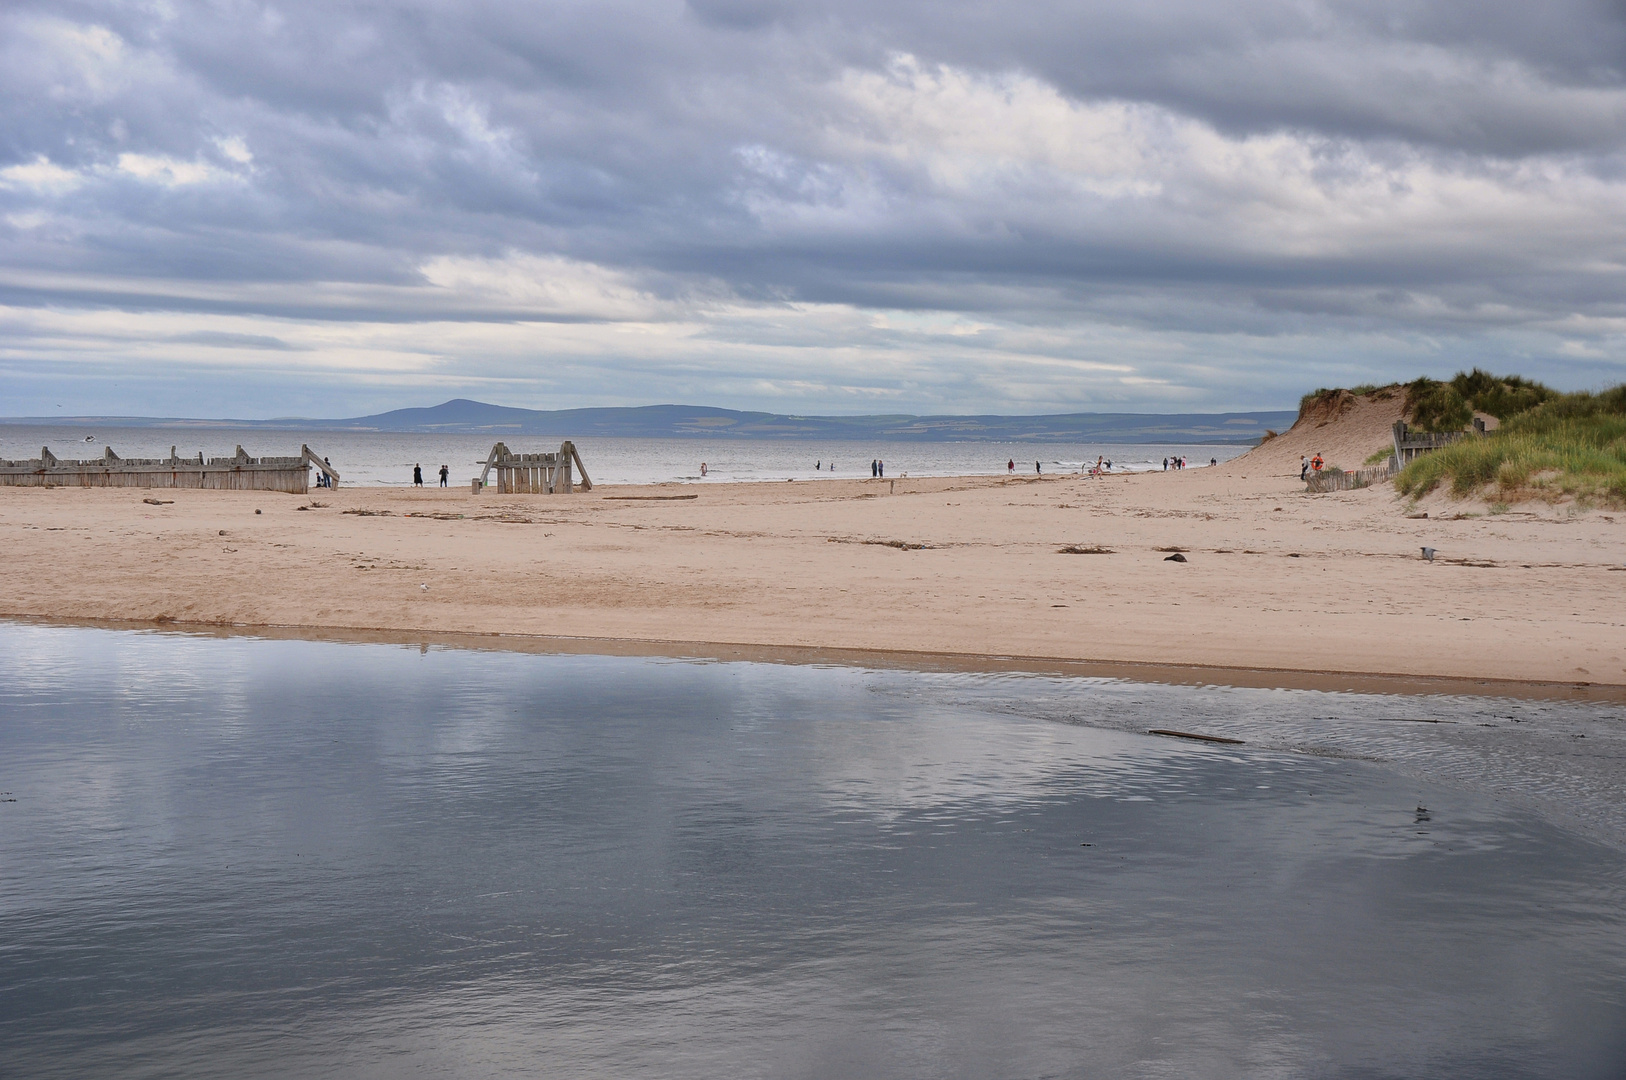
{"type": "Point", "coordinates": [285, 858]}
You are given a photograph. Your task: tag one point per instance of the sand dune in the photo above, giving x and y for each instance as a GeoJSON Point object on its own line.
{"type": "Point", "coordinates": [1345, 433]}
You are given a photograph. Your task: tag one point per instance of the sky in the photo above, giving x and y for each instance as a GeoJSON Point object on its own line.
{"type": "Point", "coordinates": [239, 209]}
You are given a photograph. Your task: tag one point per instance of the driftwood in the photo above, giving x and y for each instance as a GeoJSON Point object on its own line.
{"type": "Point", "coordinates": [1191, 735]}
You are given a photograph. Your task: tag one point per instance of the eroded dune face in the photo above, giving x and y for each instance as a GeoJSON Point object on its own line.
{"type": "Point", "coordinates": [1344, 429]}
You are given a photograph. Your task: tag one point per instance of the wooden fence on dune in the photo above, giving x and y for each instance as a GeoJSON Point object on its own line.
{"type": "Point", "coordinates": [1408, 446]}
{"type": "Point", "coordinates": [1339, 480]}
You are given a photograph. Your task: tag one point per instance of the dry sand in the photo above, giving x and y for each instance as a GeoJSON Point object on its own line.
{"type": "Point", "coordinates": [1275, 578]}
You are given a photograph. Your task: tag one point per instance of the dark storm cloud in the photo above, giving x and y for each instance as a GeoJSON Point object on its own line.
{"type": "Point", "coordinates": [1364, 173]}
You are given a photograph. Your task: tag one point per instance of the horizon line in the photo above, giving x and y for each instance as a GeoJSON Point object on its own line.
{"type": "Point", "coordinates": [109, 417]}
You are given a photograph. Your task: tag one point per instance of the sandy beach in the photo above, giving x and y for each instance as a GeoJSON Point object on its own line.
{"type": "Point", "coordinates": [1273, 579]}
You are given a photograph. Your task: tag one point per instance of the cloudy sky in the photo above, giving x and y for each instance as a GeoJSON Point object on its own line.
{"type": "Point", "coordinates": [328, 208]}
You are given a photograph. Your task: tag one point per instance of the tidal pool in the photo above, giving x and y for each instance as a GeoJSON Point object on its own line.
{"type": "Point", "coordinates": [243, 857]}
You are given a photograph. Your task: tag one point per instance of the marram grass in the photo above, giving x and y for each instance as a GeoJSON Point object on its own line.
{"type": "Point", "coordinates": [1572, 446]}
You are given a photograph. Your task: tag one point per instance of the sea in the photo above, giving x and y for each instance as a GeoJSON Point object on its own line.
{"type": "Point", "coordinates": [386, 459]}
{"type": "Point", "coordinates": [237, 856]}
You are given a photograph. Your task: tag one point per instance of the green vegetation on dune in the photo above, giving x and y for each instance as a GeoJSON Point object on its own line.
{"type": "Point", "coordinates": [1450, 406]}
{"type": "Point", "coordinates": [1549, 446]}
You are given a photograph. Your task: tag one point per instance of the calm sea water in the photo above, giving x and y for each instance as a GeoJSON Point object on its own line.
{"type": "Point", "coordinates": [373, 458]}
{"type": "Point", "coordinates": [235, 857]}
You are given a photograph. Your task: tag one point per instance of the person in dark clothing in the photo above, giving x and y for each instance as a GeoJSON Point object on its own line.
{"type": "Point", "coordinates": [1036, 470]}
{"type": "Point", "coordinates": [444, 473]}
{"type": "Point", "coordinates": [417, 476]}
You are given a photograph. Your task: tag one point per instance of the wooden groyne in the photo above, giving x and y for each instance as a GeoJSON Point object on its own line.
{"type": "Point", "coordinates": [237, 473]}
{"type": "Point", "coordinates": [535, 474]}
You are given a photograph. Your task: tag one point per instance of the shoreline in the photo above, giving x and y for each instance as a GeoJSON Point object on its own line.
{"type": "Point", "coordinates": [1374, 683]}
{"type": "Point", "coordinates": [1279, 588]}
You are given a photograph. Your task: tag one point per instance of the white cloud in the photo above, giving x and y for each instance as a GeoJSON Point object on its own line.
{"type": "Point", "coordinates": [968, 131]}
{"type": "Point", "coordinates": [541, 286]}
{"type": "Point", "coordinates": [171, 172]}
{"type": "Point", "coordinates": [235, 148]}
{"type": "Point", "coordinates": [41, 175]}
{"type": "Point", "coordinates": [92, 59]}
{"type": "Point", "coordinates": [949, 152]}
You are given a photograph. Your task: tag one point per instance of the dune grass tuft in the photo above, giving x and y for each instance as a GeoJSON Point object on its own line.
{"type": "Point", "coordinates": [1450, 406]}
{"type": "Point", "coordinates": [1569, 446]}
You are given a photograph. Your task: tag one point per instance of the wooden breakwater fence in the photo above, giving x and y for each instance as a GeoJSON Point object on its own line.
{"type": "Point", "coordinates": [534, 474]}
{"type": "Point", "coordinates": [236, 473]}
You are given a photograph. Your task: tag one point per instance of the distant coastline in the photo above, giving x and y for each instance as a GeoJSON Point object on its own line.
{"type": "Point", "coordinates": [462, 416]}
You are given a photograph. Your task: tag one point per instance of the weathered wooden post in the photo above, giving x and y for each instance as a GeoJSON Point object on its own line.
{"type": "Point", "coordinates": [567, 451]}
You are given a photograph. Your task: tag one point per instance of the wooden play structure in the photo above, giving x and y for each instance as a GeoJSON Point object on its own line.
{"type": "Point", "coordinates": [535, 474]}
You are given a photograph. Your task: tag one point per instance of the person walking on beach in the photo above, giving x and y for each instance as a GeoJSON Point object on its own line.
{"type": "Point", "coordinates": [417, 476]}
{"type": "Point", "coordinates": [880, 467]}
{"type": "Point", "coordinates": [874, 467]}
{"type": "Point", "coordinates": [1036, 470]}
{"type": "Point", "coordinates": [1165, 464]}
{"type": "Point", "coordinates": [1010, 466]}
{"type": "Point", "coordinates": [1304, 467]}
{"type": "Point", "coordinates": [444, 473]}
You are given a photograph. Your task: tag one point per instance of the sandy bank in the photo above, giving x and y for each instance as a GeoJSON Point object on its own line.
{"type": "Point", "coordinates": [1275, 578]}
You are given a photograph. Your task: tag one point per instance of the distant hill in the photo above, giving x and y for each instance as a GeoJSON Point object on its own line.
{"type": "Point", "coordinates": [671, 421]}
